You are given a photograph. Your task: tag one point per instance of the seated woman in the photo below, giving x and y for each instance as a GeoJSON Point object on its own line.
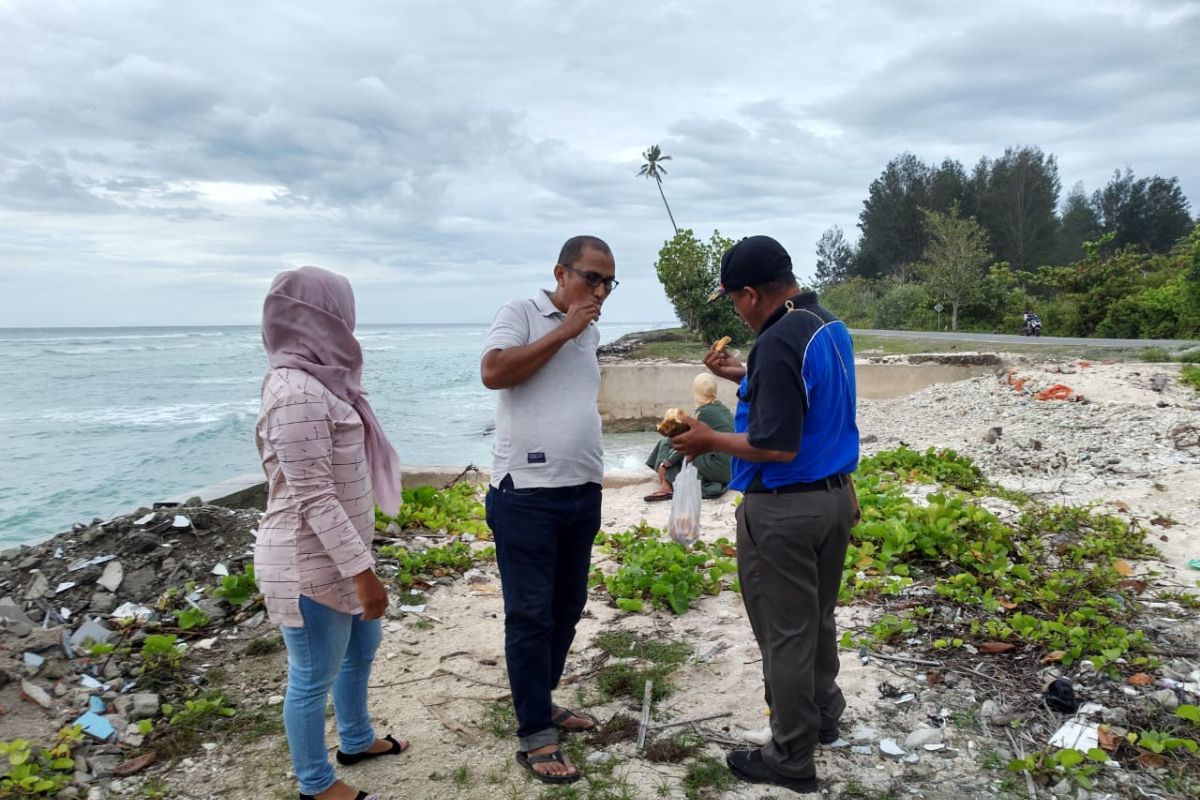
{"type": "Point", "coordinates": [714, 468]}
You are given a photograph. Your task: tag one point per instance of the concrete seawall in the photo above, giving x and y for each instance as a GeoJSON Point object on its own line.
{"type": "Point", "coordinates": [633, 397]}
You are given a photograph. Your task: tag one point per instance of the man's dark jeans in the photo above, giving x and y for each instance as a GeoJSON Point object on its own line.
{"type": "Point", "coordinates": [544, 550]}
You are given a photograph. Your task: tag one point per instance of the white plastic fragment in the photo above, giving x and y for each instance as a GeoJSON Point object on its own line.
{"type": "Point", "coordinates": [1077, 736]}
{"type": "Point", "coordinates": [146, 519]}
{"type": "Point", "coordinates": [220, 570]}
{"type": "Point", "coordinates": [181, 522]}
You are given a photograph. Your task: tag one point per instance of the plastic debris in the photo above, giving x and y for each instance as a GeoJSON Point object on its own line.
{"type": "Point", "coordinates": [220, 570]}
{"type": "Point", "coordinates": [1194, 563]}
{"type": "Point", "coordinates": [132, 611]}
{"type": "Point", "coordinates": [32, 660]}
{"type": "Point", "coordinates": [1076, 736]}
{"type": "Point", "coordinates": [89, 562]}
{"type": "Point", "coordinates": [64, 586]}
{"type": "Point", "coordinates": [758, 737]}
{"type": "Point", "coordinates": [181, 521]}
{"type": "Point", "coordinates": [146, 519]}
{"type": "Point", "coordinates": [1060, 697]}
{"type": "Point", "coordinates": [90, 683]}
{"type": "Point", "coordinates": [96, 705]}
{"type": "Point", "coordinates": [889, 748]}
{"type": "Point", "coordinates": [413, 609]}
{"type": "Point", "coordinates": [96, 726]}
{"type": "Point", "coordinates": [112, 576]}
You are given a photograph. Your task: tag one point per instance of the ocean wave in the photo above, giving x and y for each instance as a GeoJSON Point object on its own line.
{"type": "Point", "coordinates": [111, 338]}
{"type": "Point", "coordinates": [154, 416]}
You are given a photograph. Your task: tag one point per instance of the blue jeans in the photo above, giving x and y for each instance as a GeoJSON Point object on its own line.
{"type": "Point", "coordinates": [544, 550]}
{"type": "Point", "coordinates": [333, 649]}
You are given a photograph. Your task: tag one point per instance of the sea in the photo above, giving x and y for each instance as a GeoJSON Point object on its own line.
{"type": "Point", "coordinates": [95, 422]}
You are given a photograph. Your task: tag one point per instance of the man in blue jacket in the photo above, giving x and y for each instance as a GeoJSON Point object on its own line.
{"type": "Point", "coordinates": [794, 447]}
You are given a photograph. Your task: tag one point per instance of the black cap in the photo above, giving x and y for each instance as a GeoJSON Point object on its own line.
{"type": "Point", "coordinates": [753, 261]}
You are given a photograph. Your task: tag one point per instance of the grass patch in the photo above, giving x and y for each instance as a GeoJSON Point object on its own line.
{"type": "Point", "coordinates": [500, 719]}
{"type": "Point", "coordinates": [621, 728]}
{"type": "Point", "coordinates": [624, 680]}
{"type": "Point", "coordinates": [674, 749]}
{"type": "Point", "coordinates": [706, 778]}
{"type": "Point", "coordinates": [264, 645]}
{"type": "Point", "coordinates": [630, 644]}
{"type": "Point", "coordinates": [1189, 375]}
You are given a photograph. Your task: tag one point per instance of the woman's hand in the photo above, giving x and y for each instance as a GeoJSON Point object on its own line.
{"type": "Point", "coordinates": [372, 594]}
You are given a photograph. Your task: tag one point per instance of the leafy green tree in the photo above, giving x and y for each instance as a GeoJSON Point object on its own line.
{"type": "Point", "coordinates": [952, 264]}
{"type": "Point", "coordinates": [890, 219]}
{"type": "Point", "coordinates": [1079, 223]}
{"type": "Point", "coordinates": [653, 168]}
{"type": "Point", "coordinates": [1017, 207]}
{"type": "Point", "coordinates": [835, 257]}
{"type": "Point", "coordinates": [1152, 213]}
{"type": "Point", "coordinates": [689, 270]}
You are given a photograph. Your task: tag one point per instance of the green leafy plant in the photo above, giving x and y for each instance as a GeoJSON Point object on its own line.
{"type": "Point", "coordinates": [239, 588]}
{"type": "Point", "coordinates": [1189, 375]}
{"type": "Point", "coordinates": [433, 562]}
{"type": "Point", "coordinates": [33, 772]}
{"type": "Point", "coordinates": [456, 509]}
{"type": "Point", "coordinates": [188, 618]}
{"type": "Point", "coordinates": [1076, 766]}
{"type": "Point", "coordinates": [654, 569]}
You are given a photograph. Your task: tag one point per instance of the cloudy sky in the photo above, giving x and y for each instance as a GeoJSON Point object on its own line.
{"type": "Point", "coordinates": [160, 161]}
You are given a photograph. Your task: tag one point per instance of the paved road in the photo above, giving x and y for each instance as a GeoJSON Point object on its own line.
{"type": "Point", "coordinates": [1002, 338]}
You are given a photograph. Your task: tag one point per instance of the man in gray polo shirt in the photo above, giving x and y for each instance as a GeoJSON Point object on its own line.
{"type": "Point", "coordinates": [543, 505]}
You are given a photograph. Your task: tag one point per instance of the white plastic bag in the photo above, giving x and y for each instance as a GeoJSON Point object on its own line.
{"type": "Point", "coordinates": [684, 523]}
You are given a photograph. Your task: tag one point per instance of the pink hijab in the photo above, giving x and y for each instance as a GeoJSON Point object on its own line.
{"type": "Point", "coordinates": [308, 324]}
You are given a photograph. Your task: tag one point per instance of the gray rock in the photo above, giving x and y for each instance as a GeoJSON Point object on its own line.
{"type": "Point", "coordinates": [989, 709]}
{"type": "Point", "coordinates": [145, 706]}
{"type": "Point", "coordinates": [1115, 716]}
{"type": "Point", "coordinates": [1166, 698]}
{"type": "Point", "coordinates": [194, 501]}
{"type": "Point", "coordinates": [38, 586]}
{"type": "Point", "coordinates": [36, 693]}
{"type": "Point", "coordinates": [213, 608]}
{"type": "Point", "coordinates": [921, 737]}
{"type": "Point", "coordinates": [91, 629]}
{"type": "Point", "coordinates": [1062, 788]}
{"type": "Point", "coordinates": [102, 603]}
{"type": "Point", "coordinates": [28, 563]}
{"type": "Point", "coordinates": [143, 542]}
{"type": "Point", "coordinates": [113, 574]}
{"type": "Point", "coordinates": [137, 583]}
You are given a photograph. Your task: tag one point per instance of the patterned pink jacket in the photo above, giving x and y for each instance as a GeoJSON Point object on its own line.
{"type": "Point", "coordinates": [320, 520]}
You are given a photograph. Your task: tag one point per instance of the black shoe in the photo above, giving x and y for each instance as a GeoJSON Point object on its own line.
{"type": "Point", "coordinates": [359, 796]}
{"type": "Point", "coordinates": [828, 735]}
{"type": "Point", "coordinates": [346, 759]}
{"type": "Point", "coordinates": [748, 765]}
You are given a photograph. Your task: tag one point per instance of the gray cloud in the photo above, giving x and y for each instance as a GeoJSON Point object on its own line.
{"type": "Point", "coordinates": [439, 153]}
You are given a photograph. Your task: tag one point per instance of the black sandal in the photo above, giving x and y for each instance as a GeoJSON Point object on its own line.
{"type": "Point", "coordinates": [346, 759]}
{"type": "Point", "coordinates": [360, 796]}
{"type": "Point", "coordinates": [527, 761]}
{"type": "Point", "coordinates": [565, 714]}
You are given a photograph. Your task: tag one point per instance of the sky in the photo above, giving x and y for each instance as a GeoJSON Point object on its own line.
{"type": "Point", "coordinates": [161, 161]}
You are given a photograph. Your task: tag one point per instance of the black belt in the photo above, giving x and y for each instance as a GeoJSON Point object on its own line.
{"type": "Point", "coordinates": [823, 485]}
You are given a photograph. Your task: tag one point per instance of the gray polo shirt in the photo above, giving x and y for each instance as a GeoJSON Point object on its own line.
{"type": "Point", "coordinates": [548, 428]}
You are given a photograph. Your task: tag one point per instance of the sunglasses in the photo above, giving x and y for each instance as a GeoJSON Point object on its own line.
{"type": "Point", "coordinates": [594, 279]}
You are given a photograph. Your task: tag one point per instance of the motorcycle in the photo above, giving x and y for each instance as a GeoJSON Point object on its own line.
{"type": "Point", "coordinates": [1032, 326]}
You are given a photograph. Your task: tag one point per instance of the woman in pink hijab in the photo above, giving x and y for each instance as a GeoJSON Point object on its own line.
{"type": "Point", "coordinates": [328, 463]}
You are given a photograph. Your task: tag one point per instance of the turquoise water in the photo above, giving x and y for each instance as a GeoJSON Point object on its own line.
{"type": "Point", "coordinates": [97, 421]}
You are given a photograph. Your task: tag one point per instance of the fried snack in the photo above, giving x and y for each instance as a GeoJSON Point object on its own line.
{"type": "Point", "coordinates": [721, 344]}
{"type": "Point", "coordinates": [672, 423]}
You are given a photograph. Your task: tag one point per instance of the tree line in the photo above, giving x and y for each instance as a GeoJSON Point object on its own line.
{"type": "Point", "coordinates": [992, 243]}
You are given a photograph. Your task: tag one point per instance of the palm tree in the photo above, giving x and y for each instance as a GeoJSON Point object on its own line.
{"type": "Point", "coordinates": [653, 168]}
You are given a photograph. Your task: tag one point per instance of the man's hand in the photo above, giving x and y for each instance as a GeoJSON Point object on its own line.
{"type": "Point", "coordinates": [579, 316]}
{"type": "Point", "coordinates": [372, 594]}
{"type": "Point", "coordinates": [695, 441]}
{"type": "Point", "coordinates": [724, 365]}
